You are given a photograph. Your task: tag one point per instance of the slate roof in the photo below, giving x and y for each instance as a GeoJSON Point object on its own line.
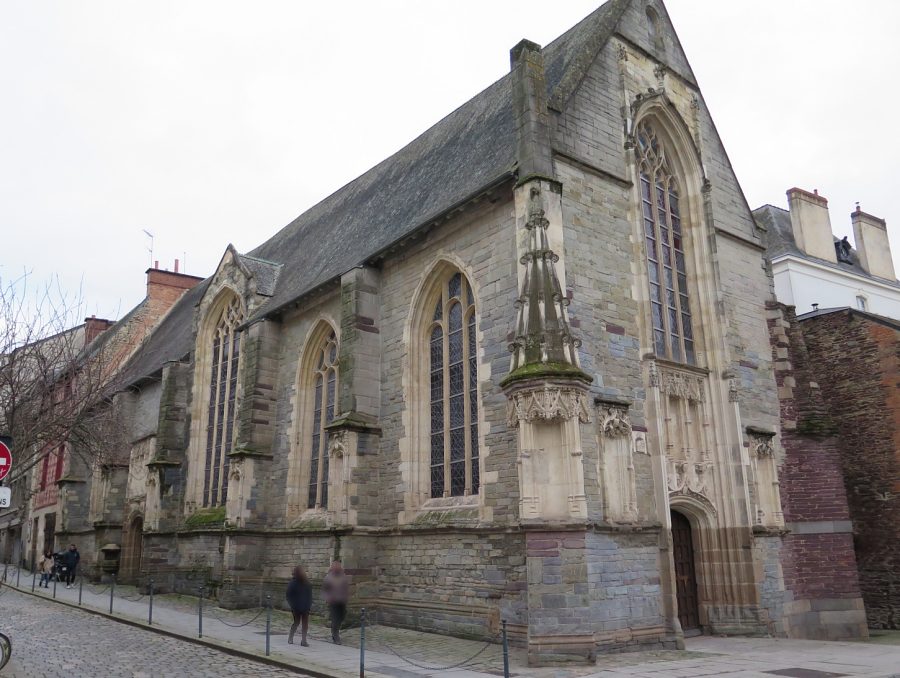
{"type": "Point", "coordinates": [881, 319]}
{"type": "Point", "coordinates": [466, 153]}
{"type": "Point", "coordinates": [470, 150]}
{"type": "Point", "coordinates": [780, 241]}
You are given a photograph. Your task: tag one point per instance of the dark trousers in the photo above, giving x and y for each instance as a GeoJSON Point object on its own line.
{"type": "Point", "coordinates": [338, 613]}
{"type": "Point", "coordinates": [70, 576]}
{"type": "Point", "coordinates": [301, 619]}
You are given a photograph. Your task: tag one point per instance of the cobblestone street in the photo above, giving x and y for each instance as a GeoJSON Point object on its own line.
{"type": "Point", "coordinates": [54, 640]}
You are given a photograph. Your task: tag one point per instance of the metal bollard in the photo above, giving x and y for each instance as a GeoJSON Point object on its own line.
{"type": "Point", "coordinates": [112, 591]}
{"type": "Point", "coordinates": [505, 652]}
{"type": "Point", "coordinates": [54, 589]}
{"type": "Point", "coordinates": [150, 614]}
{"type": "Point", "coordinates": [362, 644]}
{"type": "Point", "coordinates": [18, 572]}
{"type": "Point", "coordinates": [33, 579]}
{"type": "Point", "coordinates": [200, 615]}
{"type": "Point", "coordinates": [5, 568]}
{"type": "Point", "coordinates": [80, 586]}
{"type": "Point", "coordinates": [268, 622]}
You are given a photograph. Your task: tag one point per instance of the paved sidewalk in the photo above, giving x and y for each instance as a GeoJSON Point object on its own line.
{"type": "Point", "coordinates": [426, 655]}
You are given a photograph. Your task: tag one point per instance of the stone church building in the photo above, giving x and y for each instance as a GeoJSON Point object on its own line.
{"type": "Point", "coordinates": [519, 370]}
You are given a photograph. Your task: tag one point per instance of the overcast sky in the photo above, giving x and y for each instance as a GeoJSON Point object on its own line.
{"type": "Point", "coordinates": [214, 122]}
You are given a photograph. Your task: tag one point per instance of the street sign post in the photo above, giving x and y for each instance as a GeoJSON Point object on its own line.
{"type": "Point", "coordinates": [5, 460]}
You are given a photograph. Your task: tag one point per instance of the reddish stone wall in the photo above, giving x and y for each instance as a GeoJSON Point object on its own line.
{"type": "Point", "coordinates": [820, 570]}
{"type": "Point", "coordinates": [857, 363]}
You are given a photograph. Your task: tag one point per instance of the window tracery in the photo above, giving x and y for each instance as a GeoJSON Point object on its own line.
{"type": "Point", "coordinates": [220, 415]}
{"type": "Point", "coordinates": [324, 384]}
{"type": "Point", "coordinates": [453, 391]}
{"type": "Point", "coordinates": [671, 323]}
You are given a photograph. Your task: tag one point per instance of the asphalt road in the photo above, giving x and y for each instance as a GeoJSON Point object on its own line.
{"type": "Point", "coordinates": [54, 640]}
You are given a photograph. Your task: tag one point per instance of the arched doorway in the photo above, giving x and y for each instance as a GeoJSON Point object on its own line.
{"type": "Point", "coordinates": [685, 572]}
{"type": "Point", "coordinates": [131, 558]}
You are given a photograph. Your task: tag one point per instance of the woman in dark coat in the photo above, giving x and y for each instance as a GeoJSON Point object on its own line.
{"type": "Point", "coordinates": [299, 597]}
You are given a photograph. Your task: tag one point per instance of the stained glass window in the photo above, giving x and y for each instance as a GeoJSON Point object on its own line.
{"type": "Point", "coordinates": [223, 386]}
{"type": "Point", "coordinates": [454, 391]}
{"type": "Point", "coordinates": [324, 391]}
{"type": "Point", "coordinates": [670, 311]}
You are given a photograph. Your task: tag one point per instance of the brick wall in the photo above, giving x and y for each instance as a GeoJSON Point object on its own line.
{"type": "Point", "coordinates": [823, 596]}
{"type": "Point", "coordinates": [856, 357]}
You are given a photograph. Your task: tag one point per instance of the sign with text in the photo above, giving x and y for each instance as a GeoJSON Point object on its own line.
{"type": "Point", "coordinates": [5, 497]}
{"type": "Point", "coordinates": [5, 460]}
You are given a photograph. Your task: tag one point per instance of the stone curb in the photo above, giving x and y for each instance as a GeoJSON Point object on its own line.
{"type": "Point", "coordinates": [227, 649]}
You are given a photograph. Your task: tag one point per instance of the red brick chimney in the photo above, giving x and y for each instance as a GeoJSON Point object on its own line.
{"type": "Point", "coordinates": [94, 327]}
{"type": "Point", "coordinates": [168, 286]}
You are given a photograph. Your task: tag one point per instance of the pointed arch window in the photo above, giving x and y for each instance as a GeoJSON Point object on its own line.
{"type": "Point", "coordinates": [324, 383]}
{"type": "Point", "coordinates": [670, 310]}
{"type": "Point", "coordinates": [454, 391]}
{"type": "Point", "coordinates": [223, 387]}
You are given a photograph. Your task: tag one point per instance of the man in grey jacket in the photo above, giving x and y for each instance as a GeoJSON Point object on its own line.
{"type": "Point", "coordinates": [337, 593]}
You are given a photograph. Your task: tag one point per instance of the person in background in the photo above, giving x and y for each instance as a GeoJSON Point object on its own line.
{"type": "Point", "coordinates": [299, 597]}
{"type": "Point", "coordinates": [45, 567]}
{"type": "Point", "coordinates": [337, 593]}
{"type": "Point", "coordinates": [70, 559]}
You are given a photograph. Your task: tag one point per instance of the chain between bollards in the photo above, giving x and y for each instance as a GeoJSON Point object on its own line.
{"type": "Point", "coordinates": [362, 643]}
{"type": "Point", "coordinates": [112, 591]}
{"type": "Point", "coordinates": [268, 622]}
{"type": "Point", "coordinates": [505, 652]}
{"type": "Point", "coordinates": [200, 615]}
{"type": "Point", "coordinates": [150, 613]}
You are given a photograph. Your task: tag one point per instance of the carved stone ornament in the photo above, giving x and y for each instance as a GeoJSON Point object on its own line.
{"type": "Point", "coordinates": [688, 477]}
{"type": "Point", "coordinates": [151, 479]}
{"type": "Point", "coordinates": [547, 402]}
{"type": "Point", "coordinates": [762, 444]}
{"type": "Point", "coordinates": [337, 444]}
{"type": "Point", "coordinates": [622, 53]}
{"type": "Point", "coordinates": [613, 420]}
{"type": "Point", "coordinates": [732, 390]}
{"type": "Point", "coordinates": [235, 471]}
{"type": "Point", "coordinates": [682, 385]}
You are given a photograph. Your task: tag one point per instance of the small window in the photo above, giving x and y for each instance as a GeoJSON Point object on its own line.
{"type": "Point", "coordinates": [653, 28]}
{"type": "Point", "coordinates": [861, 303]}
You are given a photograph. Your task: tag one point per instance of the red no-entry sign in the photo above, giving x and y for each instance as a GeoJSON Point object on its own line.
{"type": "Point", "coordinates": [5, 460]}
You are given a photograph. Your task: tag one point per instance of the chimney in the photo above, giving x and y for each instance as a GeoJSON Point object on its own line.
{"type": "Point", "coordinates": [168, 285]}
{"type": "Point", "coordinates": [811, 224]}
{"type": "Point", "coordinates": [530, 116]}
{"type": "Point", "coordinates": [94, 327]}
{"type": "Point", "coordinates": [872, 244]}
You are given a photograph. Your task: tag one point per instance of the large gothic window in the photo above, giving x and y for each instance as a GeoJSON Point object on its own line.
{"type": "Point", "coordinates": [673, 333]}
{"type": "Point", "coordinates": [223, 386]}
{"type": "Point", "coordinates": [324, 381]}
{"type": "Point", "coordinates": [454, 391]}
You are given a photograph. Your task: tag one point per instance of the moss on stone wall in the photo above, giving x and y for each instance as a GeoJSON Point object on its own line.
{"type": "Point", "coordinates": [209, 517]}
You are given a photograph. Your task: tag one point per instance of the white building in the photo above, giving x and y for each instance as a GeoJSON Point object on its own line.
{"type": "Point", "coordinates": [814, 269]}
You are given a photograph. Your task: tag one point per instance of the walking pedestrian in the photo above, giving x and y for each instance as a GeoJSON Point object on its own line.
{"type": "Point", "coordinates": [70, 560]}
{"type": "Point", "coordinates": [337, 593]}
{"type": "Point", "coordinates": [45, 567]}
{"type": "Point", "coordinates": [299, 597]}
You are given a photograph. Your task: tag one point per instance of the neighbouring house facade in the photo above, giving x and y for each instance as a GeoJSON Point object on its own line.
{"type": "Point", "coordinates": [519, 370]}
{"type": "Point", "coordinates": [812, 268]}
{"type": "Point", "coordinates": [56, 500]}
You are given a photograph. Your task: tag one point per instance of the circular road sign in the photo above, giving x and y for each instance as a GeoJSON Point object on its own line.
{"type": "Point", "coordinates": [5, 460]}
